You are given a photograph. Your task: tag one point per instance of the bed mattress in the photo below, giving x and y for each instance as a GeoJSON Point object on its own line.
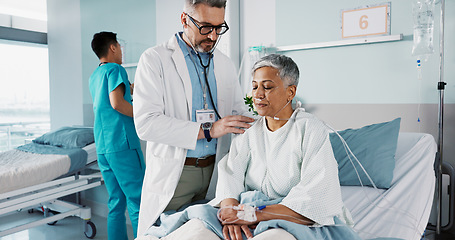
{"type": "Point", "coordinates": [91, 151]}
{"type": "Point", "coordinates": [19, 169]}
{"type": "Point", "coordinates": [403, 210]}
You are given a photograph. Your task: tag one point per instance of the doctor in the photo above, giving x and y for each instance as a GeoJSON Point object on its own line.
{"type": "Point", "coordinates": [185, 101]}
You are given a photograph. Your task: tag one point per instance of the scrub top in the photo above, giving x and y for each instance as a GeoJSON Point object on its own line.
{"type": "Point", "coordinates": [114, 132]}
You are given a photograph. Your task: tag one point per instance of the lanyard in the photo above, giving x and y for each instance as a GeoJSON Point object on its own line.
{"type": "Point", "coordinates": [207, 82]}
{"type": "Point", "coordinates": [205, 74]}
{"type": "Point", "coordinates": [204, 86]}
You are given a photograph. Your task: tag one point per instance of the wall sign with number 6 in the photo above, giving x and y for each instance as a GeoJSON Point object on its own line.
{"type": "Point", "coordinates": [366, 21]}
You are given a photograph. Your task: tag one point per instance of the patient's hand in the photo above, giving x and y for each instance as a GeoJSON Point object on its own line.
{"type": "Point", "coordinates": [228, 215]}
{"type": "Point", "coordinates": [233, 227]}
{"type": "Point", "coordinates": [234, 232]}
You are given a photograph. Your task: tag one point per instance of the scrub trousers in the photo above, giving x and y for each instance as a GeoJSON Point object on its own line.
{"type": "Point", "coordinates": [123, 173]}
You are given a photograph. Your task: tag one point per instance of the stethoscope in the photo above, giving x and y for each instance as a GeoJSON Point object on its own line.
{"type": "Point", "coordinates": [205, 66]}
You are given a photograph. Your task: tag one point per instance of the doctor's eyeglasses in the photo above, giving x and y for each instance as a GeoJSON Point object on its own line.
{"type": "Point", "coordinates": [204, 30]}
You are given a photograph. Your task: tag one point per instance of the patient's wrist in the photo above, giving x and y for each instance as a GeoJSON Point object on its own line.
{"type": "Point", "coordinates": [261, 216]}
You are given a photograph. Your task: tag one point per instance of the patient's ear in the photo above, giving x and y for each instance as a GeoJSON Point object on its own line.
{"type": "Point", "coordinates": [291, 91]}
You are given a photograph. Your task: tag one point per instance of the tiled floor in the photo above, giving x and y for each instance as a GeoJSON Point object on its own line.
{"type": "Point", "coordinates": [71, 228]}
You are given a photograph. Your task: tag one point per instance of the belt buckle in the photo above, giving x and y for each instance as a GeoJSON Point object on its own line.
{"type": "Point", "coordinates": [200, 158]}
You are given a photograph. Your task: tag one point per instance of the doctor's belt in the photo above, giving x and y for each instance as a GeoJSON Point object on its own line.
{"type": "Point", "coordinates": [200, 162]}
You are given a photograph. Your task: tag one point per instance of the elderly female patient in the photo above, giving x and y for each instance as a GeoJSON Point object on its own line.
{"type": "Point", "coordinates": [280, 178]}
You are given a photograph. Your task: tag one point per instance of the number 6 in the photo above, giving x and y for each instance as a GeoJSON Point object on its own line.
{"type": "Point", "coordinates": [363, 23]}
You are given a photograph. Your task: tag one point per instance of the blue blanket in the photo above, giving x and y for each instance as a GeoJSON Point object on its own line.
{"type": "Point", "coordinates": [78, 156]}
{"type": "Point", "coordinates": [208, 215]}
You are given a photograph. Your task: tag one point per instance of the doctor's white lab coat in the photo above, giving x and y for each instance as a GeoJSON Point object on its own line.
{"type": "Point", "coordinates": [162, 114]}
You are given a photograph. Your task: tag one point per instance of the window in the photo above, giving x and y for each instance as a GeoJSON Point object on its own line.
{"type": "Point", "coordinates": [24, 73]}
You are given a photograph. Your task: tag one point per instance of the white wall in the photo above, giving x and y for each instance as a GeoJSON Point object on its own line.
{"type": "Point", "coordinates": [257, 28]}
{"type": "Point", "coordinates": [65, 63]}
{"type": "Point", "coordinates": [167, 19]}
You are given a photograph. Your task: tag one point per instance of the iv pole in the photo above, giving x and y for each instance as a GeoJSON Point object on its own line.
{"type": "Point", "coordinates": [441, 87]}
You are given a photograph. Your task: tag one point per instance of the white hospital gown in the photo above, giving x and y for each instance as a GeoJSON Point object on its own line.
{"type": "Point", "coordinates": [295, 162]}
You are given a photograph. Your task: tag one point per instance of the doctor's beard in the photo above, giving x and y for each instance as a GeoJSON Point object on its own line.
{"type": "Point", "coordinates": [200, 48]}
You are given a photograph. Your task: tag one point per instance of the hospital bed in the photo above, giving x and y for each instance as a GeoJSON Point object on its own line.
{"type": "Point", "coordinates": [403, 210]}
{"type": "Point", "coordinates": [30, 180]}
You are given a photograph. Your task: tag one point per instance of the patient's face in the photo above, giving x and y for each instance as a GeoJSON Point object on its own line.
{"type": "Point", "coordinates": [269, 91]}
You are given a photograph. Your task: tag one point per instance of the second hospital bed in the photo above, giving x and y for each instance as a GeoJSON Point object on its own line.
{"type": "Point", "coordinates": [36, 175]}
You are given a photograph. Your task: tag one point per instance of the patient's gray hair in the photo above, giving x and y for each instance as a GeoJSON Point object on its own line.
{"type": "Point", "coordinates": [287, 68]}
{"type": "Point", "coordinates": [191, 4]}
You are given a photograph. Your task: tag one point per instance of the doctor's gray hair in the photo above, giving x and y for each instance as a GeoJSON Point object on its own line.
{"type": "Point", "coordinates": [191, 4]}
{"type": "Point", "coordinates": [287, 68]}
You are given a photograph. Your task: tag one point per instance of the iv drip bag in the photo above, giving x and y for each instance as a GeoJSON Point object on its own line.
{"type": "Point", "coordinates": [423, 15]}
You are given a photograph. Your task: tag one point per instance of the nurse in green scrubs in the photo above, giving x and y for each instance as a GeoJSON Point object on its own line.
{"type": "Point", "coordinates": [118, 147]}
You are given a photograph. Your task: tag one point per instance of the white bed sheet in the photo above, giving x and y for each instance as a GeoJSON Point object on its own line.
{"type": "Point", "coordinates": [403, 210]}
{"type": "Point", "coordinates": [19, 169]}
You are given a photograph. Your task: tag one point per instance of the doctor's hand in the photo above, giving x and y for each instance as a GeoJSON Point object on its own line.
{"type": "Point", "coordinates": [230, 124]}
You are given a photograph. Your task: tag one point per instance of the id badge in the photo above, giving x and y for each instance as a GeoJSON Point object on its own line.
{"type": "Point", "coordinates": [203, 116]}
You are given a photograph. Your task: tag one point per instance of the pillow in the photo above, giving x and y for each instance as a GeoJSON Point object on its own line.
{"type": "Point", "coordinates": [374, 146]}
{"type": "Point", "coordinates": [67, 137]}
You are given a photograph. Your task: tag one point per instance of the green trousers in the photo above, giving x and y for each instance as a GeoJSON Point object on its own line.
{"type": "Point", "coordinates": [192, 186]}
